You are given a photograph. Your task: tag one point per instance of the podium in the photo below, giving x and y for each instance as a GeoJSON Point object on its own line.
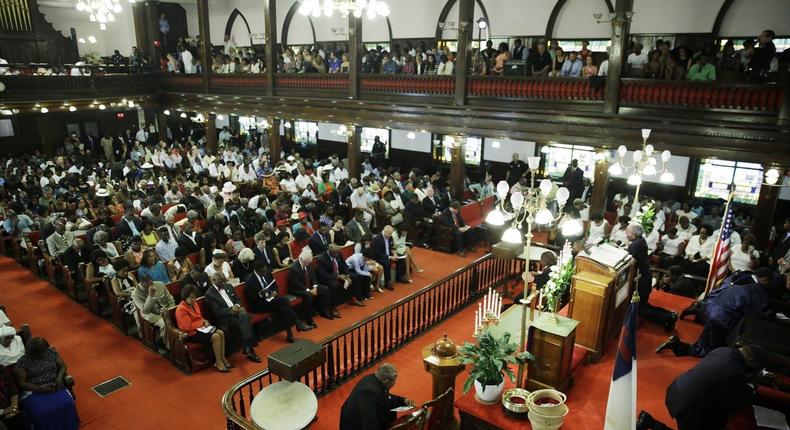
{"type": "Point", "coordinates": [599, 299]}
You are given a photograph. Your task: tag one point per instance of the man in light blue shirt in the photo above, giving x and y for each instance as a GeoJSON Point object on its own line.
{"type": "Point", "coordinates": [572, 67]}
{"type": "Point", "coordinates": [16, 225]}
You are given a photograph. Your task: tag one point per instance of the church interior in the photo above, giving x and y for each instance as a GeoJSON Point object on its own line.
{"type": "Point", "coordinates": [381, 214]}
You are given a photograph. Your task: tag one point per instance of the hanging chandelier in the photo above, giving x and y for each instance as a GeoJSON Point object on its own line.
{"type": "Point", "coordinates": [101, 11]}
{"type": "Point", "coordinates": [327, 8]}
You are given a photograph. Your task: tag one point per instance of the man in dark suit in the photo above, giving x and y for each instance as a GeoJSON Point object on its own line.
{"type": "Point", "coordinates": [261, 293]}
{"type": "Point", "coordinates": [384, 254]}
{"type": "Point", "coordinates": [429, 203]}
{"type": "Point", "coordinates": [262, 250]}
{"type": "Point", "coordinates": [573, 180]}
{"type": "Point", "coordinates": [74, 255]}
{"type": "Point", "coordinates": [129, 225]}
{"type": "Point", "coordinates": [463, 235]}
{"type": "Point", "coordinates": [547, 260]}
{"type": "Point", "coordinates": [197, 277]}
{"type": "Point", "coordinates": [705, 396]}
{"type": "Point", "coordinates": [189, 239]}
{"type": "Point", "coordinates": [320, 240]}
{"type": "Point", "coordinates": [356, 229]}
{"type": "Point", "coordinates": [638, 249]}
{"type": "Point", "coordinates": [333, 272]}
{"type": "Point", "coordinates": [369, 405]}
{"type": "Point", "coordinates": [302, 283]}
{"type": "Point", "coordinates": [229, 315]}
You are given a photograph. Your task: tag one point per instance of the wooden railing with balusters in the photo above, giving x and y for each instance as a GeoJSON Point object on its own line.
{"type": "Point", "coordinates": [312, 82]}
{"type": "Point", "coordinates": [237, 83]}
{"type": "Point", "coordinates": [533, 88]}
{"type": "Point", "coordinates": [702, 95]}
{"type": "Point", "coordinates": [179, 83]}
{"type": "Point", "coordinates": [351, 351]}
{"type": "Point", "coordinates": [408, 84]}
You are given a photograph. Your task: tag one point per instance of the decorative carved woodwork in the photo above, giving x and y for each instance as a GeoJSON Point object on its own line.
{"type": "Point", "coordinates": [27, 37]}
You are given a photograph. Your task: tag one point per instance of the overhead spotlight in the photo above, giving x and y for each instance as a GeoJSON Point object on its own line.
{"type": "Point", "coordinates": [81, 40]}
{"type": "Point", "coordinates": [287, 125]}
{"type": "Point", "coordinates": [72, 109]}
{"type": "Point", "coordinates": [166, 112]}
{"type": "Point", "coordinates": [482, 24]}
{"type": "Point", "coordinates": [102, 26]}
{"type": "Point", "coordinates": [183, 115]}
{"type": "Point", "coordinates": [102, 107]}
{"type": "Point", "coordinates": [130, 104]}
{"type": "Point", "coordinates": [91, 39]}
{"type": "Point", "coordinates": [410, 135]}
{"type": "Point", "coordinates": [496, 144]}
{"type": "Point", "coordinates": [44, 110]}
{"type": "Point", "coordinates": [220, 117]}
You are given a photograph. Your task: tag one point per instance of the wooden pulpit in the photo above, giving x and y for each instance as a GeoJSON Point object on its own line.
{"type": "Point", "coordinates": [599, 299]}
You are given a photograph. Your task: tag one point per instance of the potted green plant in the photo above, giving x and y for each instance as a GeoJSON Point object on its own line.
{"type": "Point", "coordinates": [489, 359]}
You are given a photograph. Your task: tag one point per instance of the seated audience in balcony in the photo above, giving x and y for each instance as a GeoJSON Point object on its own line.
{"type": "Point", "coordinates": [409, 68]}
{"type": "Point", "coordinates": [729, 63]}
{"type": "Point", "coordinates": [558, 62]}
{"type": "Point", "coordinates": [702, 70]}
{"type": "Point", "coordinates": [654, 68]}
{"type": "Point", "coordinates": [388, 65]}
{"type": "Point", "coordinates": [189, 318]}
{"type": "Point", "coordinates": [590, 69]}
{"type": "Point", "coordinates": [764, 56]}
{"type": "Point", "coordinates": [430, 66]}
{"type": "Point", "coordinates": [673, 69]}
{"type": "Point", "coordinates": [520, 52]}
{"type": "Point", "coordinates": [572, 66]}
{"type": "Point", "coordinates": [41, 372]}
{"type": "Point", "coordinates": [229, 316]}
{"type": "Point", "coordinates": [502, 57]}
{"type": "Point", "coordinates": [334, 62]}
{"type": "Point", "coordinates": [445, 66]}
{"type": "Point", "coordinates": [637, 61]}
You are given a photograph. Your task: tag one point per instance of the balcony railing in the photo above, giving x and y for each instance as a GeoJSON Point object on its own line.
{"type": "Point", "coordinates": [762, 99]}
{"type": "Point", "coordinates": [708, 95]}
{"type": "Point", "coordinates": [533, 88]}
{"type": "Point", "coordinates": [408, 84]}
{"type": "Point", "coordinates": [312, 82]}
{"type": "Point", "coordinates": [351, 351]}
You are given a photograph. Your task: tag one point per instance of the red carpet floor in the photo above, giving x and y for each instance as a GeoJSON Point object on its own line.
{"type": "Point", "coordinates": [160, 396]}
{"type": "Point", "coordinates": [586, 399]}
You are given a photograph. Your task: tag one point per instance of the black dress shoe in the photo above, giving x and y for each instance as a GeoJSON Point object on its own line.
{"type": "Point", "coordinates": [691, 309]}
{"type": "Point", "coordinates": [300, 326]}
{"type": "Point", "coordinates": [668, 344]}
{"type": "Point", "coordinates": [289, 338]}
{"type": "Point", "coordinates": [327, 315]}
{"type": "Point", "coordinates": [644, 421]}
{"type": "Point", "coordinates": [252, 356]}
{"type": "Point", "coordinates": [389, 287]}
{"type": "Point", "coordinates": [669, 326]}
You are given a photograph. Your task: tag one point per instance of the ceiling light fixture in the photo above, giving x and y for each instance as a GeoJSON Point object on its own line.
{"type": "Point", "coordinates": [101, 11]}
{"type": "Point", "coordinates": [371, 8]}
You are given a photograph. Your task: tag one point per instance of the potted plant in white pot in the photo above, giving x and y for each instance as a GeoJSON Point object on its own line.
{"type": "Point", "coordinates": [489, 359]}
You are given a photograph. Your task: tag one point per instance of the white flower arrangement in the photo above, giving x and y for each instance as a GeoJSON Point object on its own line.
{"type": "Point", "coordinates": [559, 279]}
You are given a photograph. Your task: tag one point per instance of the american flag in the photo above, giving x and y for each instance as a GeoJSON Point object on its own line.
{"type": "Point", "coordinates": [720, 261]}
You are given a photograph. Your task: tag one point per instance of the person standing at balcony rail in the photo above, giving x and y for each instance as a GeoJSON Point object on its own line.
{"type": "Point", "coordinates": [164, 29]}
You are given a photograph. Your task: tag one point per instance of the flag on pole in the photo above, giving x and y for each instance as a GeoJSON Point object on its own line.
{"type": "Point", "coordinates": [720, 261]}
{"type": "Point", "coordinates": [621, 406]}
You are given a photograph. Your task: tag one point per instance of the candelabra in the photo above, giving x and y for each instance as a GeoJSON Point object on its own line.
{"type": "Point", "coordinates": [530, 206]}
{"type": "Point", "coordinates": [488, 312]}
{"type": "Point", "coordinates": [644, 164]}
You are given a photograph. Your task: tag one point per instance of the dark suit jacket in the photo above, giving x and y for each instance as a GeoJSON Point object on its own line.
{"type": "Point", "coordinates": [201, 282]}
{"type": "Point", "coordinates": [447, 219]}
{"type": "Point", "coordinates": [781, 247]}
{"type": "Point", "coordinates": [368, 406]}
{"type": "Point", "coordinates": [255, 293]}
{"type": "Point", "coordinates": [296, 283]}
{"type": "Point", "coordinates": [185, 242]}
{"type": "Point", "coordinates": [316, 245]}
{"type": "Point", "coordinates": [716, 383]}
{"type": "Point", "coordinates": [573, 179]}
{"type": "Point", "coordinates": [325, 270]}
{"type": "Point", "coordinates": [268, 257]}
{"type": "Point", "coordinates": [123, 226]}
{"type": "Point", "coordinates": [430, 207]}
{"type": "Point", "coordinates": [217, 306]}
{"type": "Point", "coordinates": [71, 259]}
{"type": "Point", "coordinates": [380, 250]}
{"type": "Point", "coordinates": [357, 232]}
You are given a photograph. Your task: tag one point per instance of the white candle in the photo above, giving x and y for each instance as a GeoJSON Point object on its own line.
{"type": "Point", "coordinates": [480, 312]}
{"type": "Point", "coordinates": [499, 306]}
{"type": "Point", "coordinates": [477, 322]}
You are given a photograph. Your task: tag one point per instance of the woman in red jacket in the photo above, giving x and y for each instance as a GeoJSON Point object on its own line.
{"type": "Point", "coordinates": [199, 330]}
